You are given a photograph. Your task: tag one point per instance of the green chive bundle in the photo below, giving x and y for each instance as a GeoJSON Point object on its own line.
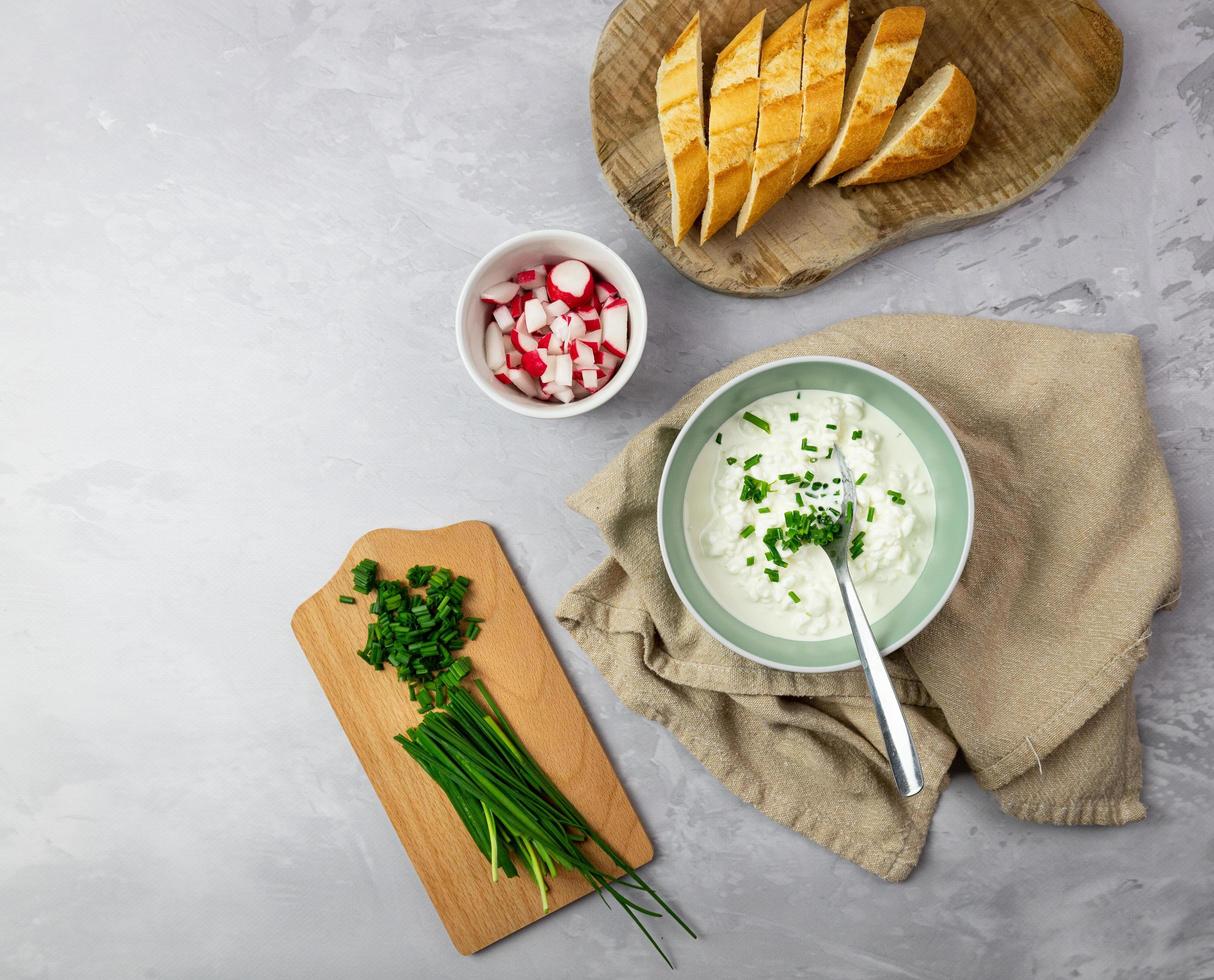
{"type": "Point", "coordinates": [514, 813]}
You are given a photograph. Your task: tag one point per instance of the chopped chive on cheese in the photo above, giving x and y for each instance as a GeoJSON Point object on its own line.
{"type": "Point", "coordinates": [872, 512]}
{"type": "Point", "coordinates": [747, 531]}
{"type": "Point", "coordinates": [793, 596]}
{"type": "Point", "coordinates": [863, 477]}
{"type": "Point", "coordinates": [731, 460]}
{"type": "Point", "coordinates": [750, 560]}
{"type": "Point", "coordinates": [758, 422]}
{"type": "Point", "coordinates": [718, 438]}
{"type": "Point", "coordinates": [857, 433]}
{"type": "Point", "coordinates": [347, 599]}
{"type": "Point", "coordinates": [772, 573]}
{"type": "Point", "coordinates": [764, 510]}
{"type": "Point", "coordinates": [752, 461]}
{"type": "Point", "coordinates": [800, 500]}
{"type": "Point", "coordinates": [830, 452]}
{"type": "Point", "coordinates": [793, 416]}
{"type": "Point", "coordinates": [807, 447]}
{"type": "Point", "coordinates": [832, 426]}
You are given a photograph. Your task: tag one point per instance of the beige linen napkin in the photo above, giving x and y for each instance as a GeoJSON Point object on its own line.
{"type": "Point", "coordinates": [1028, 667]}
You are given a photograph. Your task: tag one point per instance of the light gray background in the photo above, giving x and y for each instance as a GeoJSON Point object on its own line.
{"type": "Point", "coordinates": [231, 237]}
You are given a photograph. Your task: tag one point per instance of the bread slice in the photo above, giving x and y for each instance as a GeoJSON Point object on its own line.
{"type": "Point", "coordinates": [927, 131]}
{"type": "Point", "coordinates": [733, 116]}
{"type": "Point", "coordinates": [779, 135]}
{"type": "Point", "coordinates": [680, 91]}
{"type": "Point", "coordinates": [872, 91]}
{"type": "Point", "coordinates": [822, 71]}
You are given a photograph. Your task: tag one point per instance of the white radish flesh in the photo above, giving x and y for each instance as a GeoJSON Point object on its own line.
{"type": "Point", "coordinates": [495, 349]}
{"type": "Point", "coordinates": [536, 317]}
{"type": "Point", "coordinates": [564, 370]}
{"type": "Point", "coordinates": [502, 315]}
{"type": "Point", "coordinates": [615, 327]}
{"type": "Point", "coordinates": [556, 309]}
{"type": "Point", "coordinates": [589, 379]}
{"type": "Point", "coordinates": [522, 341]}
{"type": "Point", "coordinates": [499, 293]}
{"type": "Point", "coordinates": [524, 382]}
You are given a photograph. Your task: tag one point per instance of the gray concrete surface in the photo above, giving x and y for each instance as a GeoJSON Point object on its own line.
{"type": "Point", "coordinates": [231, 237]}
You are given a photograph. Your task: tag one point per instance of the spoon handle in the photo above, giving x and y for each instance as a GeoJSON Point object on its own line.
{"type": "Point", "coordinates": [903, 759]}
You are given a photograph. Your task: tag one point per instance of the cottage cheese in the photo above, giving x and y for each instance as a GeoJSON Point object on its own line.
{"type": "Point", "coordinates": [897, 540]}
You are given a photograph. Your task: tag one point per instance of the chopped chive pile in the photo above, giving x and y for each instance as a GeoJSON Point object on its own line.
{"type": "Point", "coordinates": [364, 575]}
{"type": "Point", "coordinates": [756, 421]}
{"type": "Point", "coordinates": [896, 497]}
{"type": "Point", "coordinates": [772, 573]}
{"type": "Point", "coordinates": [753, 489]}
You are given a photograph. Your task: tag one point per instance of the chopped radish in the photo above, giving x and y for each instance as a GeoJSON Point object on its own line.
{"type": "Point", "coordinates": [503, 377]}
{"type": "Point", "coordinates": [541, 293]}
{"type": "Point", "coordinates": [543, 340]}
{"type": "Point", "coordinates": [516, 305]}
{"type": "Point", "coordinates": [531, 278]}
{"type": "Point", "coordinates": [590, 315]}
{"type": "Point", "coordinates": [524, 382]}
{"type": "Point", "coordinates": [549, 374]}
{"type": "Point", "coordinates": [563, 394]}
{"type": "Point", "coordinates": [615, 327]}
{"type": "Point", "coordinates": [495, 349]}
{"type": "Point", "coordinates": [535, 362]}
{"type": "Point", "coordinates": [594, 337]}
{"type": "Point", "coordinates": [604, 292]}
{"type": "Point", "coordinates": [557, 308]}
{"type": "Point", "coordinates": [522, 341]}
{"type": "Point", "coordinates": [582, 353]}
{"type": "Point", "coordinates": [589, 379]}
{"type": "Point", "coordinates": [536, 317]}
{"type": "Point", "coordinates": [577, 326]}
{"type": "Point", "coordinates": [571, 281]}
{"type": "Point", "coordinates": [564, 370]}
{"type": "Point", "coordinates": [502, 315]}
{"type": "Point", "coordinates": [514, 359]}
{"type": "Point", "coordinates": [609, 361]}
{"type": "Point", "coordinates": [502, 292]}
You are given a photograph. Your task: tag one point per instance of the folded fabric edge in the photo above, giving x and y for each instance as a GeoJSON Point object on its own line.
{"type": "Point", "coordinates": [589, 622]}
{"type": "Point", "coordinates": [1093, 695]}
{"type": "Point", "coordinates": [1077, 813]}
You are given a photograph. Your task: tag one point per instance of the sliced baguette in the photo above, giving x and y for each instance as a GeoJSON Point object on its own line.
{"type": "Point", "coordinates": [779, 134]}
{"type": "Point", "coordinates": [732, 119]}
{"type": "Point", "coordinates": [927, 131]}
{"type": "Point", "coordinates": [680, 92]}
{"type": "Point", "coordinates": [823, 68]}
{"type": "Point", "coordinates": [872, 91]}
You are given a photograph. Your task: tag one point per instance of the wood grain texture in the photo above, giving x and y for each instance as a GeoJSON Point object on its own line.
{"type": "Point", "coordinates": [514, 659]}
{"type": "Point", "coordinates": [1043, 70]}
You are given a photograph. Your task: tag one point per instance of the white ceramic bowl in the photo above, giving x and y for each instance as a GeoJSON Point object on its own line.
{"type": "Point", "coordinates": [523, 252]}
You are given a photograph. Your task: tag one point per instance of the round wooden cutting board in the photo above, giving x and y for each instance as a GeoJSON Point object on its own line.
{"type": "Point", "coordinates": [1043, 71]}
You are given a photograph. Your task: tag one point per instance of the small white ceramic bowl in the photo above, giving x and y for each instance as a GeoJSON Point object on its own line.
{"type": "Point", "coordinates": [523, 252]}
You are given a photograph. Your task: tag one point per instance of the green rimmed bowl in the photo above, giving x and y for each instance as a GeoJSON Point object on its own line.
{"type": "Point", "coordinates": [950, 476]}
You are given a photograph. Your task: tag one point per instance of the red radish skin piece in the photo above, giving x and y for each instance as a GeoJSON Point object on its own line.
{"type": "Point", "coordinates": [531, 278]}
{"type": "Point", "coordinates": [524, 382]}
{"type": "Point", "coordinates": [522, 341]}
{"type": "Point", "coordinates": [495, 349]}
{"type": "Point", "coordinates": [501, 315]}
{"type": "Point", "coordinates": [500, 293]}
{"type": "Point", "coordinates": [571, 281]}
{"type": "Point", "coordinates": [615, 327]}
{"type": "Point", "coordinates": [536, 317]}
{"type": "Point", "coordinates": [590, 316]}
{"type": "Point", "coordinates": [514, 359]}
{"type": "Point", "coordinates": [503, 377]}
{"type": "Point", "coordinates": [535, 362]}
{"type": "Point", "coordinates": [544, 340]}
{"type": "Point", "coordinates": [516, 305]}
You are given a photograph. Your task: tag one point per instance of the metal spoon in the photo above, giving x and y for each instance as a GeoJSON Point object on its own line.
{"type": "Point", "coordinates": [903, 759]}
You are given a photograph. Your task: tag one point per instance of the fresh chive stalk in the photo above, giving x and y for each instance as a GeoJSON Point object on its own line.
{"type": "Point", "coordinates": [757, 421]}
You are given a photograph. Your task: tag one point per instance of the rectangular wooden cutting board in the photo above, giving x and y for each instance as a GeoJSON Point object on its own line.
{"type": "Point", "coordinates": [514, 659]}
